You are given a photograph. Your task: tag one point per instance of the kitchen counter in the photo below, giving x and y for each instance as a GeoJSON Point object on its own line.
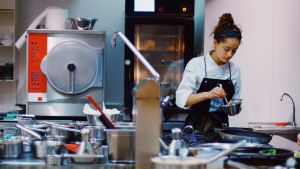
{"type": "Point", "coordinates": [27, 162]}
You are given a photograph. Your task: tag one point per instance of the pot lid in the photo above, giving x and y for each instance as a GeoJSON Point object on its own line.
{"type": "Point", "coordinates": [71, 67]}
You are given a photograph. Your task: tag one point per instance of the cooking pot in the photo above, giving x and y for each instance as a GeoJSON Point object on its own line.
{"type": "Point", "coordinates": [11, 148]}
{"type": "Point", "coordinates": [233, 136]}
{"type": "Point", "coordinates": [40, 149]}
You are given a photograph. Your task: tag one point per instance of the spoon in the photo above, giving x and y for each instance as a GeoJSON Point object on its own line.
{"type": "Point", "coordinates": [227, 103]}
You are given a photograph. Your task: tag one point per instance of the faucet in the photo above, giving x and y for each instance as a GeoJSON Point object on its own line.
{"type": "Point", "coordinates": [136, 52]}
{"type": "Point", "coordinates": [294, 113]}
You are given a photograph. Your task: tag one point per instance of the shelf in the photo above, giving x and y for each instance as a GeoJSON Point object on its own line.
{"type": "Point", "coordinates": [8, 46]}
{"type": "Point", "coordinates": [6, 11]}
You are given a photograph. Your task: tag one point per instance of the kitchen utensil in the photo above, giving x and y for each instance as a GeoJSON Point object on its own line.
{"type": "Point", "coordinates": [257, 156]}
{"type": "Point", "coordinates": [121, 144]}
{"type": "Point", "coordinates": [32, 133]}
{"type": "Point", "coordinates": [176, 143]}
{"type": "Point", "coordinates": [82, 23]}
{"type": "Point", "coordinates": [40, 149]}
{"type": "Point", "coordinates": [233, 136]}
{"type": "Point", "coordinates": [84, 159]}
{"type": "Point", "coordinates": [96, 132]}
{"type": "Point", "coordinates": [232, 108]}
{"type": "Point", "coordinates": [54, 159]}
{"type": "Point", "coordinates": [104, 119]}
{"type": "Point", "coordinates": [11, 148]}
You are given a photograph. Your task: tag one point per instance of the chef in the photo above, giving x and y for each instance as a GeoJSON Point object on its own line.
{"type": "Point", "coordinates": [208, 79]}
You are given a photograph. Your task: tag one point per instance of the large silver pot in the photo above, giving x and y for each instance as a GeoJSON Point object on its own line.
{"type": "Point", "coordinates": [40, 149]}
{"type": "Point", "coordinates": [11, 148]}
{"type": "Point", "coordinates": [121, 145]}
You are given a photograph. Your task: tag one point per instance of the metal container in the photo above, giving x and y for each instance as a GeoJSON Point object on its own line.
{"type": "Point", "coordinates": [96, 132]}
{"type": "Point", "coordinates": [40, 149]}
{"type": "Point", "coordinates": [234, 108]}
{"type": "Point", "coordinates": [11, 148]}
{"type": "Point", "coordinates": [121, 144]}
{"type": "Point", "coordinates": [82, 23]}
{"type": "Point", "coordinates": [54, 159]}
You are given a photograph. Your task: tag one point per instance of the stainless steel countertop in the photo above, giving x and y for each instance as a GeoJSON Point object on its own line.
{"type": "Point", "coordinates": [26, 161]}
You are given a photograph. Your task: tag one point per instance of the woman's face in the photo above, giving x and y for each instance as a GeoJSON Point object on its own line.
{"type": "Point", "coordinates": [225, 50]}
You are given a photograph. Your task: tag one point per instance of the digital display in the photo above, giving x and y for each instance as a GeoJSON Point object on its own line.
{"type": "Point", "coordinates": [144, 5]}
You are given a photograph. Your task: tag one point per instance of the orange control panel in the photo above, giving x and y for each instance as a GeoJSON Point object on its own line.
{"type": "Point", "coordinates": [37, 81]}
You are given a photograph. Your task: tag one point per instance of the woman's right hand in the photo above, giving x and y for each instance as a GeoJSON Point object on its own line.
{"type": "Point", "coordinates": [216, 92]}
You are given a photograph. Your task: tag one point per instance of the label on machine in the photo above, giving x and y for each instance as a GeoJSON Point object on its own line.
{"type": "Point", "coordinates": [37, 81]}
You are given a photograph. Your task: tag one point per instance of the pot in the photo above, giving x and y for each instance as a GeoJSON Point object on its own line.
{"type": "Point", "coordinates": [11, 148]}
{"type": "Point", "coordinates": [233, 136]}
{"type": "Point", "coordinates": [40, 149]}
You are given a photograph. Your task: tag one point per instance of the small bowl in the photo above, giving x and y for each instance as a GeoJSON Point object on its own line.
{"type": "Point", "coordinates": [7, 42]}
{"type": "Point", "coordinates": [234, 108]}
{"type": "Point", "coordinates": [82, 23]}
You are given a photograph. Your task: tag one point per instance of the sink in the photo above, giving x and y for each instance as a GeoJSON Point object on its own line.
{"type": "Point", "coordinates": [287, 131]}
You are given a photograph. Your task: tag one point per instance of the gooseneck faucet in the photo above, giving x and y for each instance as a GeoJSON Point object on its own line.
{"type": "Point", "coordinates": [294, 112]}
{"type": "Point", "coordinates": [136, 52]}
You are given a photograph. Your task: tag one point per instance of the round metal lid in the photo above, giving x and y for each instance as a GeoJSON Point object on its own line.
{"type": "Point", "coordinates": [71, 67]}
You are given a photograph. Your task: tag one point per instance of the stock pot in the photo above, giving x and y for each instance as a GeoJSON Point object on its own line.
{"type": "Point", "coordinates": [11, 148]}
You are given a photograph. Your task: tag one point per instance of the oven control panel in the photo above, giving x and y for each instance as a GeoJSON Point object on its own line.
{"type": "Point", "coordinates": [37, 81]}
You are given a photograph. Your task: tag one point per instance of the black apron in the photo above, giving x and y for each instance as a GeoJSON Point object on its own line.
{"type": "Point", "coordinates": [199, 116]}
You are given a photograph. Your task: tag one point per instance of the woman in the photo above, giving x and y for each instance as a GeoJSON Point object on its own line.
{"type": "Point", "coordinates": [208, 79]}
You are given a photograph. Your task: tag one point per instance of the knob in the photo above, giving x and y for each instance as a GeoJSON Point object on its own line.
{"type": "Point", "coordinates": [71, 67]}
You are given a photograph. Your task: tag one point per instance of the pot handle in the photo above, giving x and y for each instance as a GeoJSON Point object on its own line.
{"type": "Point", "coordinates": [34, 134]}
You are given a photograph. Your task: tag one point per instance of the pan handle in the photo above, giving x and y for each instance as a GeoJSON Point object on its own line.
{"type": "Point", "coordinates": [227, 151]}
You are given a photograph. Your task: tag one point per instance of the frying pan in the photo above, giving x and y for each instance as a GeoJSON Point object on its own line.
{"type": "Point", "coordinates": [234, 135]}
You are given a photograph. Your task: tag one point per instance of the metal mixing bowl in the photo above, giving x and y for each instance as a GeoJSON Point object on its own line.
{"type": "Point", "coordinates": [82, 23]}
{"type": "Point", "coordinates": [233, 108]}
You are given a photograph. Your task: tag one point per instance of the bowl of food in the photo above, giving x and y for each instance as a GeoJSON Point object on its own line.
{"type": "Point", "coordinates": [233, 107]}
{"type": "Point", "coordinates": [82, 23]}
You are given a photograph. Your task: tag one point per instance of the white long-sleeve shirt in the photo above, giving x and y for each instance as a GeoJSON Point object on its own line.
{"type": "Point", "coordinates": [195, 72]}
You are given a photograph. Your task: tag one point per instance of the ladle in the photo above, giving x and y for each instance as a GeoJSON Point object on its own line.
{"type": "Point", "coordinates": [32, 133]}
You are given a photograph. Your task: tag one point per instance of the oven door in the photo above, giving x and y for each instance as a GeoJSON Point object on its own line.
{"type": "Point", "coordinates": [167, 42]}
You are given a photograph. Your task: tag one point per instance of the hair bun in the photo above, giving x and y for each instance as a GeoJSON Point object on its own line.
{"type": "Point", "coordinates": [226, 19]}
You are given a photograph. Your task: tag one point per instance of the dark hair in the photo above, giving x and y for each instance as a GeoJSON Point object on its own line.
{"type": "Point", "coordinates": [226, 28]}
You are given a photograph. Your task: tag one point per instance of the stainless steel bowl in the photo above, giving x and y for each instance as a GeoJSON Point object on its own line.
{"type": "Point", "coordinates": [233, 108]}
{"type": "Point", "coordinates": [82, 23]}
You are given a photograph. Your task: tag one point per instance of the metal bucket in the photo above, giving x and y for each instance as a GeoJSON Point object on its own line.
{"type": "Point", "coordinates": [121, 144]}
